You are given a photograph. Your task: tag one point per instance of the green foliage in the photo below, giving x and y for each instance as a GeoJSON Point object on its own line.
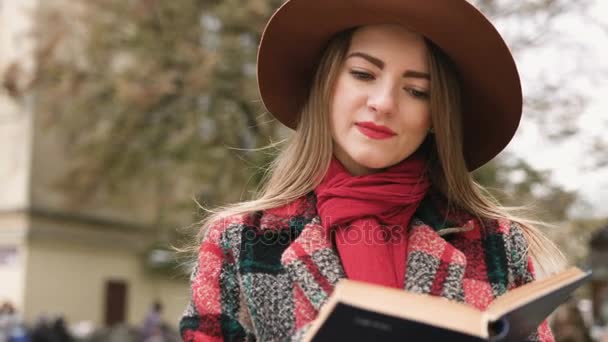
{"type": "Point", "coordinates": [574, 238]}
{"type": "Point", "coordinates": [166, 90]}
{"type": "Point", "coordinates": [515, 183]}
{"type": "Point", "coordinates": [147, 87]}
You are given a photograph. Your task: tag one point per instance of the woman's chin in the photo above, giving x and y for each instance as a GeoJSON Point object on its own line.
{"type": "Point", "coordinates": [373, 162]}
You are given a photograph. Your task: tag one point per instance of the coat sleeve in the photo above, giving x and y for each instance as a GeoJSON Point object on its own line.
{"type": "Point", "coordinates": [521, 271]}
{"type": "Point", "coordinates": [214, 308]}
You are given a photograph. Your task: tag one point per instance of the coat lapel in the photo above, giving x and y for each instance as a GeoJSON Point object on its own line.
{"type": "Point", "coordinates": [313, 264]}
{"type": "Point", "coordinates": [434, 266]}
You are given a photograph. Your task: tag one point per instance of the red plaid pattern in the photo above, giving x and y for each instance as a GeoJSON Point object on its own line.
{"type": "Point", "coordinates": [264, 276]}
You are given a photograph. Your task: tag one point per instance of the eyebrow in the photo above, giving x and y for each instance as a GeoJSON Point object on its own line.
{"type": "Point", "coordinates": [380, 64]}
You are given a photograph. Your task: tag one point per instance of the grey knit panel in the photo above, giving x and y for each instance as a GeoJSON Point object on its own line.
{"type": "Point", "coordinates": [301, 333]}
{"type": "Point", "coordinates": [232, 239]}
{"type": "Point", "coordinates": [313, 291]}
{"type": "Point", "coordinates": [329, 265]}
{"type": "Point", "coordinates": [452, 286]}
{"type": "Point", "coordinates": [517, 254]}
{"type": "Point", "coordinates": [421, 270]}
{"type": "Point", "coordinates": [270, 299]}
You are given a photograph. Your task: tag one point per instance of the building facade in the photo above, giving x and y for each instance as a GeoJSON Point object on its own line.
{"type": "Point", "coordinates": [84, 261]}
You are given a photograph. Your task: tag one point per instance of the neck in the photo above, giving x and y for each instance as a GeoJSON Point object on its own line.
{"type": "Point", "coordinates": [353, 167]}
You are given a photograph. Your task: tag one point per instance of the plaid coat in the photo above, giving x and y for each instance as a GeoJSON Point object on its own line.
{"type": "Point", "coordinates": [264, 276]}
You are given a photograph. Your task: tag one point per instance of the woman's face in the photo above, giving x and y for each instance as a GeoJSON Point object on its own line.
{"type": "Point", "coordinates": [380, 110]}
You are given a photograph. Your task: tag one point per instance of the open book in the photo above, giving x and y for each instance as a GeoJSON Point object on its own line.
{"type": "Point", "coordinates": [358, 311]}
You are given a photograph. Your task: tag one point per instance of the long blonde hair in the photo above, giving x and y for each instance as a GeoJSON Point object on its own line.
{"type": "Point", "coordinates": [309, 151]}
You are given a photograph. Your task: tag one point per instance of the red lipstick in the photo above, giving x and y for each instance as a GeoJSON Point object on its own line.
{"type": "Point", "coordinates": [373, 131]}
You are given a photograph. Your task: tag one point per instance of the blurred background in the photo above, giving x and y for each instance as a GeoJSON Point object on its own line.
{"type": "Point", "coordinates": [119, 117]}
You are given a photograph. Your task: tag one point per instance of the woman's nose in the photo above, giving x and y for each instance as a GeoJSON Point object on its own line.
{"type": "Point", "coordinates": [382, 100]}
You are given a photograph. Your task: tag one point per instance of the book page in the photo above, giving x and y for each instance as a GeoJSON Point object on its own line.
{"type": "Point", "coordinates": [524, 294]}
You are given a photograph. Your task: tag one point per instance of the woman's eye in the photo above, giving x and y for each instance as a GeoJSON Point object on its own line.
{"type": "Point", "coordinates": [417, 93]}
{"type": "Point", "coordinates": [362, 75]}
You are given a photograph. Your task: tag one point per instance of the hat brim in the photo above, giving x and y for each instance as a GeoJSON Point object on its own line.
{"type": "Point", "coordinates": [295, 36]}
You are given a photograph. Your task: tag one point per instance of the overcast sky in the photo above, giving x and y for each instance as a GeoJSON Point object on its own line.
{"type": "Point", "coordinates": [565, 159]}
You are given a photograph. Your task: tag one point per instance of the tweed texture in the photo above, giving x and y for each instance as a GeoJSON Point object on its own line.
{"type": "Point", "coordinates": [264, 276]}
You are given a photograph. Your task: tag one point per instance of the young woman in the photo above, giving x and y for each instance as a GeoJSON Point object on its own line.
{"type": "Point", "coordinates": [393, 103]}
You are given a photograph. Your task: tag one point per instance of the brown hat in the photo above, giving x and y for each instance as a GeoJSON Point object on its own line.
{"type": "Point", "coordinates": [295, 36]}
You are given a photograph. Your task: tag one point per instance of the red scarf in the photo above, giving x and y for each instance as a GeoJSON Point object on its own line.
{"type": "Point", "coordinates": [370, 215]}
